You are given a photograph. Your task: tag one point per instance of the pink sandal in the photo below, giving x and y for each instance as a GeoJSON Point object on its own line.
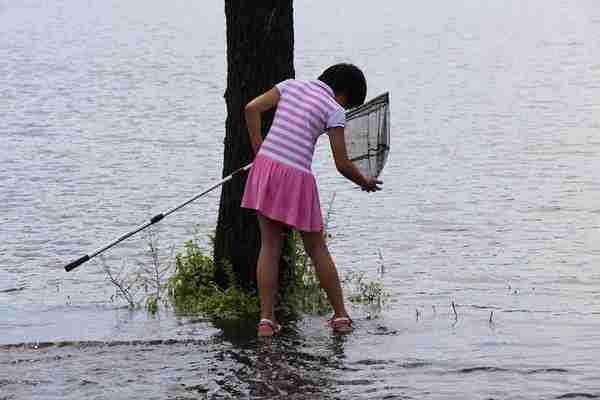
{"type": "Point", "coordinates": [341, 325]}
{"type": "Point", "coordinates": [267, 328]}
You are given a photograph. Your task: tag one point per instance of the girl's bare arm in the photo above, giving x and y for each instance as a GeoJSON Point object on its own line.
{"type": "Point", "coordinates": [345, 166]}
{"type": "Point", "coordinates": [260, 104]}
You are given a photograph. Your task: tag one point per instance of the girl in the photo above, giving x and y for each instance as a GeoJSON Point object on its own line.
{"type": "Point", "coordinates": [281, 187]}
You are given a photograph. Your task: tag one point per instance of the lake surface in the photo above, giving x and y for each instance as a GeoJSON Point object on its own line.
{"type": "Point", "coordinates": [111, 112]}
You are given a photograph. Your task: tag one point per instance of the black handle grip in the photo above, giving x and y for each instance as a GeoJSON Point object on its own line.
{"type": "Point", "coordinates": [72, 265]}
{"type": "Point", "coordinates": [157, 218]}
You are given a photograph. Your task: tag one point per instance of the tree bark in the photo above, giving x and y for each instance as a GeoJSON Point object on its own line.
{"type": "Point", "coordinates": [260, 49]}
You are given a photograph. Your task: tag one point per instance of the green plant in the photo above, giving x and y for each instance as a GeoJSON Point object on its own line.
{"type": "Point", "coordinates": [126, 285]}
{"type": "Point", "coordinates": [153, 275]}
{"type": "Point", "coordinates": [186, 282]}
{"type": "Point", "coordinates": [362, 291]}
{"type": "Point", "coordinates": [192, 288]}
{"type": "Point", "coordinates": [366, 292]}
{"type": "Point", "coordinates": [147, 282]}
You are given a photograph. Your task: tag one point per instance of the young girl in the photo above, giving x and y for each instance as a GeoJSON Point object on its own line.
{"type": "Point", "coordinates": [281, 187]}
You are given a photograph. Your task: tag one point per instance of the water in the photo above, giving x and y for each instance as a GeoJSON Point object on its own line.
{"type": "Point", "coordinates": [111, 112]}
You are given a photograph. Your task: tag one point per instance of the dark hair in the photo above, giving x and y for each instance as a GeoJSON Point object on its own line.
{"type": "Point", "coordinates": [348, 80]}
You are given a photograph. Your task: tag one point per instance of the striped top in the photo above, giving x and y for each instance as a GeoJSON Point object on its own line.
{"type": "Point", "coordinates": [306, 109]}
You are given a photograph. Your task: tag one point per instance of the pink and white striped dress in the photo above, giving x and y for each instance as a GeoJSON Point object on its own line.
{"type": "Point", "coordinates": [281, 185]}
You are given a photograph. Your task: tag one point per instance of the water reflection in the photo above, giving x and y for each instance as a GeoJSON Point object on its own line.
{"type": "Point", "coordinates": [288, 364]}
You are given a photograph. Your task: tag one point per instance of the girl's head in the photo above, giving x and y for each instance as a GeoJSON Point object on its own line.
{"type": "Point", "coordinates": [346, 80]}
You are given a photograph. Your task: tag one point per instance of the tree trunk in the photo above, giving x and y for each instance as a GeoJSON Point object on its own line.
{"type": "Point", "coordinates": [260, 48]}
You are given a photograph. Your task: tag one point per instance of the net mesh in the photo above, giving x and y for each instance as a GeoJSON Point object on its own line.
{"type": "Point", "coordinates": [368, 135]}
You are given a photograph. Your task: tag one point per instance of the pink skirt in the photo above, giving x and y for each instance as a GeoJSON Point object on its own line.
{"type": "Point", "coordinates": [283, 193]}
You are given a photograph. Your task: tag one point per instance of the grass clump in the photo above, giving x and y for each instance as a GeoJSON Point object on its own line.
{"type": "Point", "coordinates": [362, 291]}
{"type": "Point", "coordinates": [146, 284]}
{"type": "Point", "coordinates": [187, 283]}
{"type": "Point", "coordinates": [192, 288]}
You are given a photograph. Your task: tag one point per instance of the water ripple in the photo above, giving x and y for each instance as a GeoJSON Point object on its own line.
{"type": "Point", "coordinates": [97, 343]}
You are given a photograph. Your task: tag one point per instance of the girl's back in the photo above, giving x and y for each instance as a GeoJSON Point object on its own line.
{"type": "Point", "coordinates": [305, 110]}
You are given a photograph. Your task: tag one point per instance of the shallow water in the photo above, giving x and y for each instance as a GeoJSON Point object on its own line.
{"type": "Point", "coordinates": [112, 112]}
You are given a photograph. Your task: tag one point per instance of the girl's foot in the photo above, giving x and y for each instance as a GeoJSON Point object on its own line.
{"type": "Point", "coordinates": [341, 325]}
{"type": "Point", "coordinates": [268, 328]}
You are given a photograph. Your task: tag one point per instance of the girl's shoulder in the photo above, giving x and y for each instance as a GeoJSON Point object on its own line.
{"type": "Point", "coordinates": [312, 93]}
{"type": "Point", "coordinates": [291, 82]}
{"type": "Point", "coordinates": [304, 84]}
{"type": "Point", "coordinates": [315, 89]}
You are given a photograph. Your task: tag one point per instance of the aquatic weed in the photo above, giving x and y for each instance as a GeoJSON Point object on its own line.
{"type": "Point", "coordinates": [193, 289]}
{"type": "Point", "coordinates": [149, 278]}
{"type": "Point", "coordinates": [362, 291]}
{"type": "Point", "coordinates": [187, 282]}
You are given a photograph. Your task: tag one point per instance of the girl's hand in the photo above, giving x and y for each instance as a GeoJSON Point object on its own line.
{"type": "Point", "coordinates": [372, 185]}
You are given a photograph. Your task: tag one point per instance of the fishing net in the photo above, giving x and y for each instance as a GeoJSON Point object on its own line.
{"type": "Point", "coordinates": [368, 135]}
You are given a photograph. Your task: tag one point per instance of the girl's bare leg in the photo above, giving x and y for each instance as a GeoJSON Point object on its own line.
{"type": "Point", "coordinates": [316, 248]}
{"type": "Point", "coordinates": [267, 267]}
